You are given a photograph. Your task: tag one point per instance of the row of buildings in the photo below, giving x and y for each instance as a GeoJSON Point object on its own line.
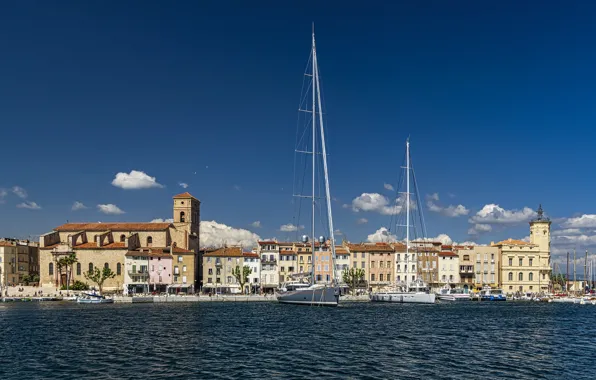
{"type": "Point", "coordinates": [159, 257]}
{"type": "Point", "coordinates": [513, 265]}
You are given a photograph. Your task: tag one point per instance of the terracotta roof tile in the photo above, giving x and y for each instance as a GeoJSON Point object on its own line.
{"type": "Point", "coordinates": [512, 242]}
{"type": "Point", "coordinates": [6, 244]}
{"type": "Point", "coordinates": [156, 253]}
{"type": "Point", "coordinates": [113, 227]}
{"type": "Point", "coordinates": [448, 254]}
{"type": "Point", "coordinates": [250, 254]}
{"type": "Point", "coordinates": [287, 252]}
{"type": "Point", "coordinates": [225, 252]}
{"type": "Point", "coordinates": [182, 250]}
{"type": "Point", "coordinates": [267, 242]}
{"type": "Point", "coordinates": [369, 248]}
{"type": "Point", "coordinates": [93, 245]}
{"type": "Point", "coordinates": [184, 195]}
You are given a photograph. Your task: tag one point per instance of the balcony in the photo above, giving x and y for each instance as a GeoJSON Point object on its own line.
{"type": "Point", "coordinates": [269, 262]}
{"type": "Point", "coordinates": [143, 274]}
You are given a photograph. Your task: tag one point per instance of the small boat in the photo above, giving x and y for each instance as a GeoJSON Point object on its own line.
{"type": "Point", "coordinates": [316, 295]}
{"type": "Point", "coordinates": [456, 294]}
{"type": "Point", "coordinates": [415, 292]}
{"type": "Point", "coordinates": [93, 298]}
{"type": "Point", "coordinates": [489, 294]}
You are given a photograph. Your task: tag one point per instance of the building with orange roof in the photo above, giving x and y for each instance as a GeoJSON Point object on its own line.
{"type": "Point", "coordinates": [448, 268]}
{"type": "Point", "coordinates": [526, 266]}
{"type": "Point", "coordinates": [218, 267]}
{"type": "Point", "coordinates": [99, 245]}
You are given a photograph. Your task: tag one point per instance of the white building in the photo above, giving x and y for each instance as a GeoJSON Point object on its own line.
{"type": "Point", "coordinates": [268, 251]}
{"type": "Point", "coordinates": [342, 262]}
{"type": "Point", "coordinates": [253, 261]}
{"type": "Point", "coordinates": [136, 272]}
{"type": "Point", "coordinates": [448, 268]}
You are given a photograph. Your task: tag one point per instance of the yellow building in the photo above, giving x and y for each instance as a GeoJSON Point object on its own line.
{"type": "Point", "coordinates": [525, 266]}
{"type": "Point", "coordinates": [106, 245]}
{"type": "Point", "coordinates": [18, 258]}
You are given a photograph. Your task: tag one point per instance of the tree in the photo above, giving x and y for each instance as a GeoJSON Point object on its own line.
{"type": "Point", "coordinates": [66, 263]}
{"type": "Point", "coordinates": [99, 276]}
{"type": "Point", "coordinates": [241, 275]}
{"type": "Point", "coordinates": [26, 279]}
{"type": "Point", "coordinates": [353, 277]}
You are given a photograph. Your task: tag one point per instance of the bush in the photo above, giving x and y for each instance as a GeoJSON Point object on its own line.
{"type": "Point", "coordinates": [77, 285]}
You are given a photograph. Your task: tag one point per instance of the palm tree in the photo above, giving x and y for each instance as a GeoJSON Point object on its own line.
{"type": "Point", "coordinates": [66, 263]}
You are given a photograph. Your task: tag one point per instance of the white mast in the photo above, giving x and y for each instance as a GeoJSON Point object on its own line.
{"type": "Point", "coordinates": [314, 141]}
{"type": "Point", "coordinates": [324, 153]}
{"type": "Point", "coordinates": [407, 201]}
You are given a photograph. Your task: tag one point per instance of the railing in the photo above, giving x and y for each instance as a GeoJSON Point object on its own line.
{"type": "Point", "coordinates": [268, 261]}
{"type": "Point", "coordinates": [138, 273]}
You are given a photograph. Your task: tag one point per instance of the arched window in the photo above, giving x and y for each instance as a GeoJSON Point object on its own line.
{"type": "Point", "coordinates": [78, 269]}
{"type": "Point", "coordinates": [106, 265]}
{"type": "Point", "coordinates": [531, 276]}
{"type": "Point", "coordinates": [118, 269]}
{"type": "Point", "coordinates": [122, 238]}
{"type": "Point", "coordinates": [182, 218]}
{"type": "Point", "coordinates": [510, 276]}
{"type": "Point", "coordinates": [90, 267]}
{"type": "Point", "coordinates": [521, 276]}
{"type": "Point", "coordinates": [149, 241]}
{"type": "Point", "coordinates": [51, 269]}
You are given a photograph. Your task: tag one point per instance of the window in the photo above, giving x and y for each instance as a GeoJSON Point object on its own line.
{"type": "Point", "coordinates": [90, 267]}
{"type": "Point", "coordinates": [466, 257]}
{"type": "Point", "coordinates": [388, 264]}
{"type": "Point", "coordinates": [413, 269]}
{"type": "Point", "coordinates": [388, 278]}
{"type": "Point", "coordinates": [78, 269]}
{"type": "Point", "coordinates": [122, 238]}
{"type": "Point", "coordinates": [510, 276]}
{"type": "Point", "coordinates": [372, 264]}
{"type": "Point", "coordinates": [51, 269]}
{"type": "Point", "coordinates": [381, 264]}
{"type": "Point", "coordinates": [182, 217]}
{"type": "Point", "coordinates": [372, 277]}
{"type": "Point", "coordinates": [413, 278]}
{"type": "Point", "coordinates": [118, 269]}
{"type": "Point", "coordinates": [328, 278]}
{"type": "Point", "coordinates": [210, 272]}
{"type": "Point", "coordinates": [363, 264]}
{"type": "Point", "coordinates": [530, 263]}
{"type": "Point", "coordinates": [184, 268]}
{"type": "Point", "coordinates": [381, 277]}
{"type": "Point", "coordinates": [492, 256]}
{"type": "Point", "coordinates": [363, 254]}
{"type": "Point", "coordinates": [521, 276]}
{"type": "Point", "coordinates": [106, 265]}
{"type": "Point", "coordinates": [531, 276]}
{"type": "Point", "coordinates": [209, 280]}
{"type": "Point", "coordinates": [521, 262]}
{"type": "Point", "coordinates": [217, 280]}
{"type": "Point", "coordinates": [229, 279]}
{"type": "Point", "coordinates": [179, 259]}
{"type": "Point", "coordinates": [149, 241]}
{"type": "Point", "coordinates": [398, 268]}
{"type": "Point", "coordinates": [398, 278]}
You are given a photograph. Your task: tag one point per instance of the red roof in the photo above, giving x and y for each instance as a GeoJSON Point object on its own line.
{"type": "Point", "coordinates": [6, 244]}
{"type": "Point", "coordinates": [184, 196]}
{"type": "Point", "coordinates": [250, 254]}
{"type": "Point", "coordinates": [113, 227]}
{"type": "Point", "coordinates": [448, 254]}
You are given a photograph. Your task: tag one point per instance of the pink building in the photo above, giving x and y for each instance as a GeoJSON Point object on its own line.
{"type": "Point", "coordinates": [160, 271]}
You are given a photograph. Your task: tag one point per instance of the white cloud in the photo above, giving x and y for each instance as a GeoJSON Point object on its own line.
{"type": "Point", "coordinates": [338, 232]}
{"type": "Point", "coordinates": [3, 194]}
{"type": "Point", "coordinates": [215, 234]}
{"type": "Point", "coordinates": [466, 243]}
{"type": "Point", "coordinates": [450, 211]}
{"type": "Point", "coordinates": [290, 227]}
{"type": "Point", "coordinates": [135, 180]}
{"type": "Point", "coordinates": [443, 238]}
{"type": "Point", "coordinates": [19, 192]}
{"type": "Point", "coordinates": [375, 202]}
{"type": "Point", "coordinates": [256, 224]}
{"type": "Point", "coordinates": [183, 185]}
{"type": "Point", "coordinates": [236, 187]}
{"type": "Point", "coordinates": [362, 221]}
{"type": "Point", "coordinates": [160, 220]}
{"type": "Point", "coordinates": [78, 206]}
{"type": "Point", "coordinates": [566, 231]}
{"type": "Point", "coordinates": [29, 205]}
{"type": "Point", "coordinates": [388, 186]}
{"type": "Point", "coordinates": [109, 209]}
{"type": "Point", "coordinates": [382, 235]}
{"type": "Point", "coordinates": [494, 214]}
{"type": "Point", "coordinates": [584, 221]}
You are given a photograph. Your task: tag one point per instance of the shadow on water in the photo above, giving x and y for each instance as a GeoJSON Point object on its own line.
{"type": "Point", "coordinates": [270, 340]}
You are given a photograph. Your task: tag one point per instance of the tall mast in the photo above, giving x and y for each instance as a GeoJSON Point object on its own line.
{"type": "Point", "coordinates": [407, 198]}
{"type": "Point", "coordinates": [314, 142]}
{"type": "Point", "coordinates": [324, 153]}
{"type": "Point", "coordinates": [585, 273]}
{"type": "Point", "coordinates": [574, 279]}
{"type": "Point", "coordinates": [567, 277]}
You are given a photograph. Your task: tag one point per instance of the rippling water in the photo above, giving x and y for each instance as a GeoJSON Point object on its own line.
{"type": "Point", "coordinates": [269, 340]}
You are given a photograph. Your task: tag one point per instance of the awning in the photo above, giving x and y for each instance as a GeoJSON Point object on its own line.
{"type": "Point", "coordinates": [179, 286]}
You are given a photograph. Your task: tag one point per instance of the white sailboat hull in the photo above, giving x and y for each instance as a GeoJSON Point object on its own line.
{"type": "Point", "coordinates": [314, 296]}
{"type": "Point", "coordinates": [403, 297]}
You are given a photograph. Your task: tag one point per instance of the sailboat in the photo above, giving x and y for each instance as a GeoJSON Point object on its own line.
{"type": "Point", "coordinates": [416, 291]}
{"type": "Point", "coordinates": [322, 294]}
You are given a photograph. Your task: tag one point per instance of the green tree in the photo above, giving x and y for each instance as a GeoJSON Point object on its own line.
{"type": "Point", "coordinates": [26, 279]}
{"type": "Point", "coordinates": [98, 276]}
{"type": "Point", "coordinates": [67, 263]}
{"type": "Point", "coordinates": [353, 277]}
{"type": "Point", "coordinates": [77, 285]}
{"type": "Point", "coordinates": [241, 275]}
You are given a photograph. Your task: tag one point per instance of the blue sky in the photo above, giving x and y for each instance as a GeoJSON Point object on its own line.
{"type": "Point", "coordinates": [497, 98]}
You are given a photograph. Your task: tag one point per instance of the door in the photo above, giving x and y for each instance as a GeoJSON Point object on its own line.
{"type": "Point", "coordinates": [63, 279]}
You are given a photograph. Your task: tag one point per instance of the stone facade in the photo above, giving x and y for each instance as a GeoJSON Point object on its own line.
{"type": "Point", "coordinates": [18, 258]}
{"type": "Point", "coordinates": [107, 244]}
{"type": "Point", "coordinates": [217, 270]}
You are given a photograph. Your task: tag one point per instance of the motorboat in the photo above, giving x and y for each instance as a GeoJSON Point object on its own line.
{"type": "Point", "coordinates": [93, 298]}
{"type": "Point", "coordinates": [456, 294]}
{"type": "Point", "coordinates": [414, 292]}
{"type": "Point", "coordinates": [489, 294]}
